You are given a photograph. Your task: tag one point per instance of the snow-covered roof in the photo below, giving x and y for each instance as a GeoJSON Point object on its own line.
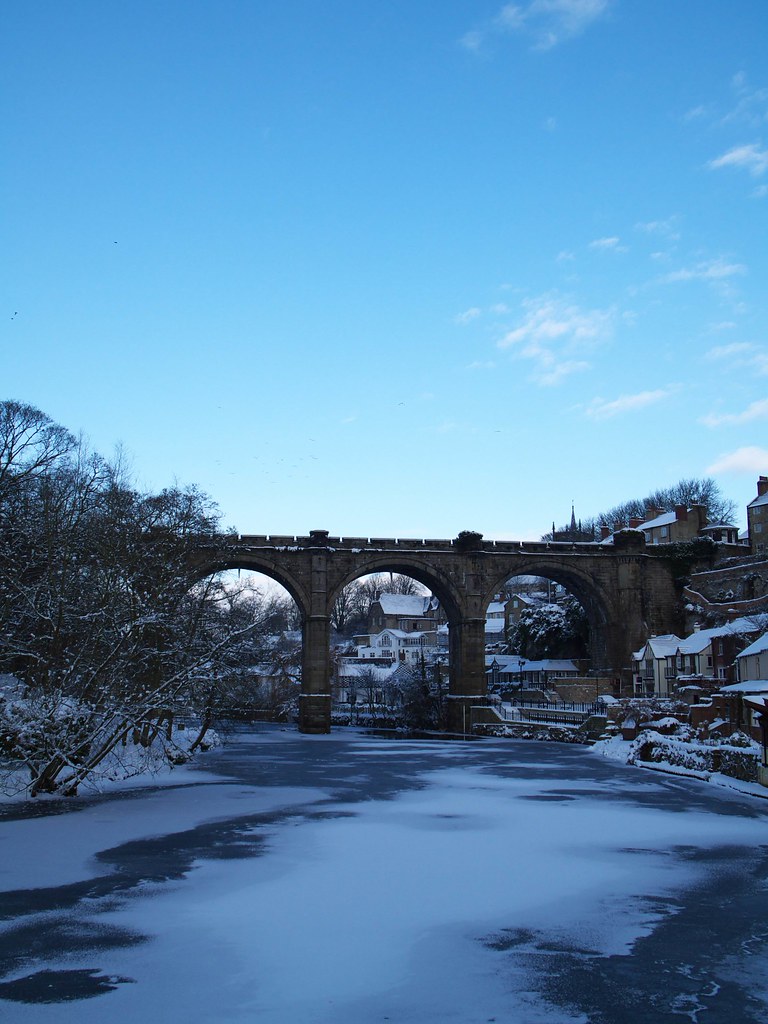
{"type": "Point", "coordinates": [494, 626]}
{"type": "Point", "coordinates": [406, 604]}
{"type": "Point", "coordinates": [664, 520]}
{"type": "Point", "coordinates": [494, 608]}
{"type": "Point", "coordinates": [761, 499]}
{"type": "Point", "coordinates": [701, 639]}
{"type": "Point", "coordinates": [378, 673]}
{"type": "Point", "coordinates": [664, 646]}
{"type": "Point", "coordinates": [550, 665]}
{"type": "Point", "coordinates": [749, 686]}
{"type": "Point", "coordinates": [759, 645]}
{"type": "Point", "coordinates": [506, 662]}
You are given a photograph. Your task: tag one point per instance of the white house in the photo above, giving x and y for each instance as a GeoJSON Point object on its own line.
{"type": "Point", "coordinates": [753, 660]}
{"type": "Point", "coordinates": [654, 666]}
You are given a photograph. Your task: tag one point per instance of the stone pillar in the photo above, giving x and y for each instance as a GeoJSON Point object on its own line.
{"type": "Point", "coordinates": [315, 699]}
{"type": "Point", "coordinates": [467, 658]}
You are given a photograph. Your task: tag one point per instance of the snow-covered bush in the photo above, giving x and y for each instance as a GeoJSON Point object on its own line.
{"type": "Point", "coordinates": [739, 760]}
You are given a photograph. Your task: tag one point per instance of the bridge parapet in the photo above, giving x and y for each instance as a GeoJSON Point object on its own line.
{"type": "Point", "coordinates": [322, 539]}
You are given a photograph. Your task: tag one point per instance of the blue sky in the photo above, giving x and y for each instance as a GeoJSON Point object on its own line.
{"type": "Point", "coordinates": [394, 268]}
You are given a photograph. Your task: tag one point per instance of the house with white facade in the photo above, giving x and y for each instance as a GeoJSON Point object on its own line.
{"type": "Point", "coordinates": [753, 660]}
{"type": "Point", "coordinates": [654, 670]}
{"type": "Point", "coordinates": [495, 623]}
{"type": "Point", "coordinates": [710, 655]}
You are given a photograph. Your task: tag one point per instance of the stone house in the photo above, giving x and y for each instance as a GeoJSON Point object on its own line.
{"type": "Point", "coordinates": [757, 519]}
{"type": "Point", "coordinates": [408, 612]}
{"type": "Point", "coordinates": [662, 527]}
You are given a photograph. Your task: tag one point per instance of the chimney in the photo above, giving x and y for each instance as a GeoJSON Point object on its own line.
{"type": "Point", "coordinates": [634, 522]}
{"type": "Point", "coordinates": [681, 513]}
{"type": "Point", "coordinates": [762, 485]}
{"type": "Point", "coordinates": [700, 512]}
{"type": "Point", "coordinates": [696, 627]}
{"type": "Point", "coordinates": [605, 532]}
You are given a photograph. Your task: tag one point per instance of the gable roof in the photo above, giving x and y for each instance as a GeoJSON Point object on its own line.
{"type": "Point", "coordinates": [664, 646]}
{"type": "Point", "coordinates": [758, 647]}
{"type": "Point", "coordinates": [698, 641]}
{"type": "Point", "coordinates": [663, 520]}
{"type": "Point", "coordinates": [407, 604]}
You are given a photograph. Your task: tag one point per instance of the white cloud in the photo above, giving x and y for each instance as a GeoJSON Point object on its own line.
{"type": "Point", "coordinates": [467, 316]}
{"type": "Point", "coordinates": [726, 351]}
{"type": "Point", "coordinates": [751, 105]}
{"type": "Point", "coordinates": [723, 325]}
{"type": "Point", "coordinates": [708, 270]}
{"type": "Point", "coordinates": [741, 355]}
{"type": "Point", "coordinates": [565, 255]}
{"type": "Point", "coordinates": [695, 113]}
{"type": "Point", "coordinates": [555, 335]}
{"type": "Point", "coordinates": [548, 378]}
{"type": "Point", "coordinates": [547, 22]}
{"type": "Point", "coordinates": [608, 244]}
{"type": "Point", "coordinates": [755, 411]}
{"type": "Point", "coordinates": [749, 157]}
{"type": "Point", "coordinates": [472, 41]}
{"type": "Point", "coordinates": [744, 460]}
{"type": "Point", "coordinates": [600, 409]}
{"type": "Point", "coordinates": [480, 364]}
{"type": "Point", "coordinates": [668, 228]}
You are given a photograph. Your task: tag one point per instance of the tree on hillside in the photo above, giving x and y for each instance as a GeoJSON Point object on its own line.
{"type": "Point", "coordinates": [551, 631]}
{"type": "Point", "coordinates": [694, 491]}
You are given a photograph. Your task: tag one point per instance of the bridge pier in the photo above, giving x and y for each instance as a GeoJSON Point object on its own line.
{"type": "Point", "coordinates": [467, 670]}
{"type": "Point", "coordinates": [315, 713]}
{"type": "Point", "coordinates": [315, 698]}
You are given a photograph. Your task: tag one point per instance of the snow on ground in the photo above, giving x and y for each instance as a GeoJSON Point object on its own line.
{"type": "Point", "coordinates": [617, 749]}
{"type": "Point", "coordinates": [376, 909]}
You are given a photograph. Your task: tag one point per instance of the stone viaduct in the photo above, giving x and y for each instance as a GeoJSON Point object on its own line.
{"type": "Point", "coordinates": [627, 592]}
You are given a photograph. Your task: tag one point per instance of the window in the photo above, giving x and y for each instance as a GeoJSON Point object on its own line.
{"type": "Point", "coordinates": [386, 641]}
{"type": "Point", "coordinates": [664, 531]}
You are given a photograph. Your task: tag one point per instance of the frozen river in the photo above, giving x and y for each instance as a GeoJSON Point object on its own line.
{"type": "Point", "coordinates": [349, 879]}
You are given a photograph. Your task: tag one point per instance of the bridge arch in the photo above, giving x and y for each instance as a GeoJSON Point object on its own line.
{"type": "Point", "coordinates": [466, 630]}
{"type": "Point", "coordinates": [225, 561]}
{"type": "Point", "coordinates": [602, 614]}
{"type": "Point", "coordinates": [437, 582]}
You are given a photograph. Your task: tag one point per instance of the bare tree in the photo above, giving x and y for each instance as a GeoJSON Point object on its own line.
{"type": "Point", "coordinates": [105, 628]}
